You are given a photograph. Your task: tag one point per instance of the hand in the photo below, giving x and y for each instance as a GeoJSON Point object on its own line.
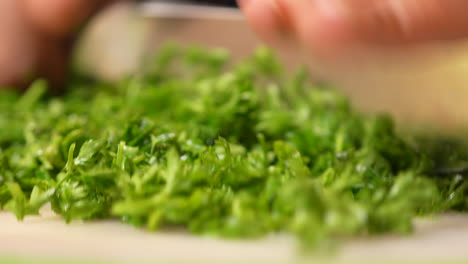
{"type": "Point", "coordinates": [333, 27]}
{"type": "Point", "coordinates": [34, 37]}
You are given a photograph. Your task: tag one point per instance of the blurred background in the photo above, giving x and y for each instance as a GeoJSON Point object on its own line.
{"type": "Point", "coordinates": [424, 86]}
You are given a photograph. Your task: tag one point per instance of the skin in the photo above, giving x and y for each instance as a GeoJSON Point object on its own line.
{"type": "Point", "coordinates": [331, 28]}
{"type": "Point", "coordinates": [35, 35]}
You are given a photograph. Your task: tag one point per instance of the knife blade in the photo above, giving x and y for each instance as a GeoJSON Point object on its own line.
{"type": "Point", "coordinates": [189, 9]}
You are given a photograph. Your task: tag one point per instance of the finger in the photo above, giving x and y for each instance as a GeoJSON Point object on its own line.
{"type": "Point", "coordinates": [273, 19]}
{"type": "Point", "coordinates": [334, 26]}
{"type": "Point", "coordinates": [263, 17]}
{"type": "Point", "coordinates": [59, 17]}
{"type": "Point", "coordinates": [18, 52]}
{"type": "Point", "coordinates": [53, 63]}
{"type": "Point", "coordinates": [410, 21]}
{"type": "Point", "coordinates": [324, 27]}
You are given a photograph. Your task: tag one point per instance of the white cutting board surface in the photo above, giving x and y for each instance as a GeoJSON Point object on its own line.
{"type": "Point", "coordinates": [47, 237]}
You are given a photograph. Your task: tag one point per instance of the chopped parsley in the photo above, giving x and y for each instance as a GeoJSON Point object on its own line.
{"type": "Point", "coordinates": [235, 151]}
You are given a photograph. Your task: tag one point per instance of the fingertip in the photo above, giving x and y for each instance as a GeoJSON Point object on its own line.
{"type": "Point", "coordinates": [264, 18]}
{"type": "Point", "coordinates": [323, 27]}
{"type": "Point", "coordinates": [58, 17]}
{"type": "Point", "coordinates": [18, 52]}
{"type": "Point", "coordinates": [325, 35]}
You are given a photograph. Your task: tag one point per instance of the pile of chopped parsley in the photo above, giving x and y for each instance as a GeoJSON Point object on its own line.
{"type": "Point", "coordinates": [235, 151]}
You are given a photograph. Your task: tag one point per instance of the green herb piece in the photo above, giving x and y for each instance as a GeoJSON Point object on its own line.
{"type": "Point", "coordinates": [232, 151]}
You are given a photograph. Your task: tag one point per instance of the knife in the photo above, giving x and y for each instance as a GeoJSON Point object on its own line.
{"type": "Point", "coordinates": [116, 41]}
{"type": "Point", "coordinates": [225, 10]}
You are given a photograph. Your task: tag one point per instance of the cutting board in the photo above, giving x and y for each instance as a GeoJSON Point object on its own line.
{"type": "Point", "coordinates": [441, 239]}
